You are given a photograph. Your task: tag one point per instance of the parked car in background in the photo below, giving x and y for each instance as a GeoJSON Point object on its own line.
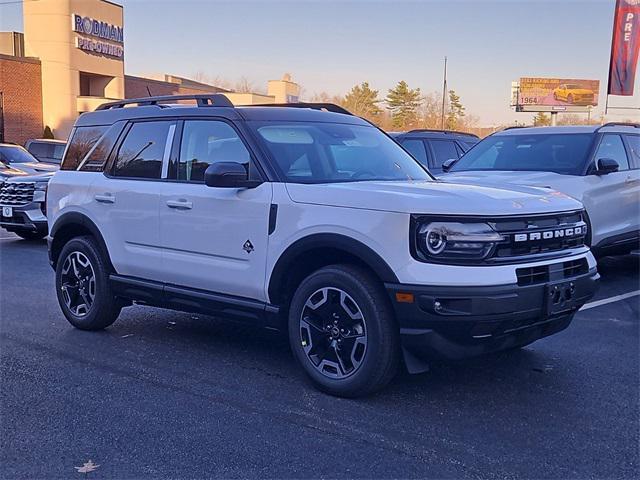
{"type": "Point", "coordinates": [433, 147]}
{"type": "Point", "coordinates": [23, 205]}
{"type": "Point", "coordinates": [598, 165]}
{"type": "Point", "coordinates": [46, 150]}
{"type": "Point", "coordinates": [19, 158]}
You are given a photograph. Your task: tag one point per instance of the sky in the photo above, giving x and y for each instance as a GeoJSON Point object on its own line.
{"type": "Point", "coordinates": [329, 46]}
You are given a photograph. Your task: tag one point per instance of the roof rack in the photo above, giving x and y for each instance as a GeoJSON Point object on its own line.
{"type": "Point", "coordinates": [618, 124]}
{"type": "Point", "coordinates": [210, 100]}
{"type": "Point", "coordinates": [435, 130]}
{"type": "Point", "coordinates": [329, 107]}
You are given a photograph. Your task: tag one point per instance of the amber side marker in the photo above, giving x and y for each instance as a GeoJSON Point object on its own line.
{"type": "Point", "coordinates": [404, 297]}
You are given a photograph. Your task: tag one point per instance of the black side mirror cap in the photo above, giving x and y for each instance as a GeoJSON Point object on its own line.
{"type": "Point", "coordinates": [447, 164]}
{"type": "Point", "coordinates": [606, 165]}
{"type": "Point", "coordinates": [228, 175]}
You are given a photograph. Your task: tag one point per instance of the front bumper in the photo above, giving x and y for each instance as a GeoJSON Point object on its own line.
{"type": "Point", "coordinates": [27, 217]}
{"type": "Point", "coordinates": [458, 322]}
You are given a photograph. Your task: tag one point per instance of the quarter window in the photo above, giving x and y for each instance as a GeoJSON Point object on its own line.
{"type": "Point", "coordinates": [82, 141]}
{"type": "Point", "coordinates": [611, 146]}
{"type": "Point", "coordinates": [141, 153]}
{"type": "Point", "coordinates": [96, 159]}
{"type": "Point", "coordinates": [205, 142]}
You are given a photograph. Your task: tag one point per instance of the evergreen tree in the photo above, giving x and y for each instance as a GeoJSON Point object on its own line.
{"type": "Point", "coordinates": [403, 102]}
{"type": "Point", "coordinates": [455, 111]}
{"type": "Point", "coordinates": [363, 101]}
{"type": "Point", "coordinates": [48, 133]}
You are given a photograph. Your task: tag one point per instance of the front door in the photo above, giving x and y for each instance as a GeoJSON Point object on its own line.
{"type": "Point", "coordinates": [213, 239]}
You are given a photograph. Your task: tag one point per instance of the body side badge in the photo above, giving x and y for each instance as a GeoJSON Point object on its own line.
{"type": "Point", "coordinates": [248, 246]}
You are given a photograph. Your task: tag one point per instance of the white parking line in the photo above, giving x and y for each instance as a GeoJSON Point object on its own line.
{"type": "Point", "coordinates": [605, 301]}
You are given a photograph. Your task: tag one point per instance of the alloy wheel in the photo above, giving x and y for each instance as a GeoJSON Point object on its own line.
{"type": "Point", "coordinates": [78, 283]}
{"type": "Point", "coordinates": [333, 332]}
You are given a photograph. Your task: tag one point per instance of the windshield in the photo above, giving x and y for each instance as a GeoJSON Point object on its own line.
{"type": "Point", "coordinates": [560, 153]}
{"type": "Point", "coordinates": [307, 152]}
{"type": "Point", "coordinates": [15, 154]}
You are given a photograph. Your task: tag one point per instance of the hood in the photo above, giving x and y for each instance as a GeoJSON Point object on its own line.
{"type": "Point", "coordinates": [580, 91]}
{"type": "Point", "coordinates": [504, 178]}
{"type": "Point", "coordinates": [7, 172]}
{"type": "Point", "coordinates": [438, 198]}
{"type": "Point", "coordinates": [36, 167]}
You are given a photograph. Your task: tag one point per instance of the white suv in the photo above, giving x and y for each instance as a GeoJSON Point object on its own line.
{"type": "Point", "coordinates": [310, 220]}
{"type": "Point", "coordinates": [597, 165]}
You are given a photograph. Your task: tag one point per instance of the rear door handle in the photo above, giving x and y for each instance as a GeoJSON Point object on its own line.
{"type": "Point", "coordinates": [105, 198]}
{"type": "Point", "coordinates": [180, 204]}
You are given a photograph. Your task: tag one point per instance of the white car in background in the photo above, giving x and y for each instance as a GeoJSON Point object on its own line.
{"type": "Point", "coordinates": [598, 165]}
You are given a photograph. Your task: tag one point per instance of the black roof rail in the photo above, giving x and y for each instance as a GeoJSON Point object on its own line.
{"type": "Point", "coordinates": [435, 130]}
{"type": "Point", "coordinates": [513, 127]}
{"type": "Point", "coordinates": [618, 124]}
{"type": "Point", "coordinates": [202, 100]}
{"type": "Point", "coordinates": [329, 107]}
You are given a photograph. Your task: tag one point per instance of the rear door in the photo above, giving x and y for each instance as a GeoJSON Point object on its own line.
{"type": "Point", "coordinates": [125, 200]}
{"type": "Point", "coordinates": [213, 239]}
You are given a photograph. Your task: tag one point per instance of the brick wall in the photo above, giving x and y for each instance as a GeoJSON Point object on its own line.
{"type": "Point", "coordinates": [21, 88]}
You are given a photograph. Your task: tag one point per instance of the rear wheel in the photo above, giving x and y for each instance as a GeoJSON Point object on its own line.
{"type": "Point", "coordinates": [29, 235]}
{"type": "Point", "coordinates": [342, 331]}
{"type": "Point", "coordinates": [82, 286]}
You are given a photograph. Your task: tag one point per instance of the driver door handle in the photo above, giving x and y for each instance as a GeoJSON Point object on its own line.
{"type": "Point", "coordinates": [180, 204]}
{"type": "Point", "coordinates": [105, 198]}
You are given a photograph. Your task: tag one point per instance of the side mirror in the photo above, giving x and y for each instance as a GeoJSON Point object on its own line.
{"type": "Point", "coordinates": [447, 164]}
{"type": "Point", "coordinates": [606, 165]}
{"type": "Point", "coordinates": [228, 175]}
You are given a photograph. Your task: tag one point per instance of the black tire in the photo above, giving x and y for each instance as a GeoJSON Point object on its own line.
{"type": "Point", "coordinates": [364, 296]}
{"type": "Point", "coordinates": [101, 309]}
{"type": "Point", "coordinates": [28, 235]}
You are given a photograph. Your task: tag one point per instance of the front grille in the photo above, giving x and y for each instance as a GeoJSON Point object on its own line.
{"type": "Point", "coordinates": [539, 235]}
{"type": "Point", "coordinates": [16, 193]}
{"type": "Point", "coordinates": [559, 271]}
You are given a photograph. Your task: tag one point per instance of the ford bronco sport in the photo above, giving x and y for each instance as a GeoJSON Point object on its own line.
{"type": "Point", "coordinates": [312, 220]}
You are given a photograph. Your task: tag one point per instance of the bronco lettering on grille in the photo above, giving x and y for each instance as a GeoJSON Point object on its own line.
{"type": "Point", "coordinates": [550, 234]}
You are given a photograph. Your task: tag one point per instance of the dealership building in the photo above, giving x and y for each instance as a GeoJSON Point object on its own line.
{"type": "Point", "coordinates": [70, 59]}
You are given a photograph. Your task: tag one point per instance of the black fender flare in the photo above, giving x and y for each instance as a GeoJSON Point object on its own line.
{"type": "Point", "coordinates": [76, 218]}
{"type": "Point", "coordinates": [333, 241]}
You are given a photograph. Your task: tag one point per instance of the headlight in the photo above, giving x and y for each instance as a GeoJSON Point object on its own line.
{"type": "Point", "coordinates": [456, 241]}
{"type": "Point", "coordinates": [40, 191]}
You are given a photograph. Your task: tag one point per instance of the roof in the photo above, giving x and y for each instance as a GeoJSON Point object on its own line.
{"type": "Point", "coordinates": [623, 128]}
{"type": "Point", "coordinates": [257, 113]}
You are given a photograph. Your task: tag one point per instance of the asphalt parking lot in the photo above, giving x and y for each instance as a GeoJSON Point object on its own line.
{"type": "Point", "coordinates": [167, 394]}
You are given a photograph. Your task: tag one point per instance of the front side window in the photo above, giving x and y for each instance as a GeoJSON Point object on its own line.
{"type": "Point", "coordinates": [634, 146]}
{"type": "Point", "coordinates": [443, 150]}
{"type": "Point", "coordinates": [141, 153]}
{"type": "Point", "coordinates": [310, 152]}
{"type": "Point", "coordinates": [82, 141]}
{"type": "Point", "coordinates": [559, 153]}
{"type": "Point", "coordinates": [417, 150]}
{"type": "Point", "coordinates": [205, 142]}
{"type": "Point", "coordinates": [611, 146]}
{"type": "Point", "coordinates": [15, 154]}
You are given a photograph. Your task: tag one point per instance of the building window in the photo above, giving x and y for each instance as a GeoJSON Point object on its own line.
{"type": "Point", "coordinates": [93, 85]}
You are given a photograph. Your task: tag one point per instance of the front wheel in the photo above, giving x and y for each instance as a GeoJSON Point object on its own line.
{"type": "Point", "coordinates": [342, 331]}
{"type": "Point", "coordinates": [82, 286]}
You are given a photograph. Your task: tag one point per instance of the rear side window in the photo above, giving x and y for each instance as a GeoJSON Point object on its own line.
{"type": "Point", "coordinates": [82, 141]}
{"type": "Point", "coordinates": [417, 150]}
{"type": "Point", "coordinates": [443, 150]}
{"type": "Point", "coordinates": [97, 157]}
{"type": "Point", "coordinates": [634, 146]}
{"type": "Point", "coordinates": [140, 154]}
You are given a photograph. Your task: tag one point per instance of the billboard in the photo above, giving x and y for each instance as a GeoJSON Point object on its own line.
{"type": "Point", "coordinates": [625, 47]}
{"type": "Point", "coordinates": [557, 94]}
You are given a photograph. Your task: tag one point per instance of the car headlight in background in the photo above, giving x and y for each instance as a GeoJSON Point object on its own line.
{"type": "Point", "coordinates": [40, 191]}
{"type": "Point", "coordinates": [456, 241]}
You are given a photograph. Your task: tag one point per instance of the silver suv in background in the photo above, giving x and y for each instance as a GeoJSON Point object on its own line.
{"type": "Point", "coordinates": [598, 165]}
